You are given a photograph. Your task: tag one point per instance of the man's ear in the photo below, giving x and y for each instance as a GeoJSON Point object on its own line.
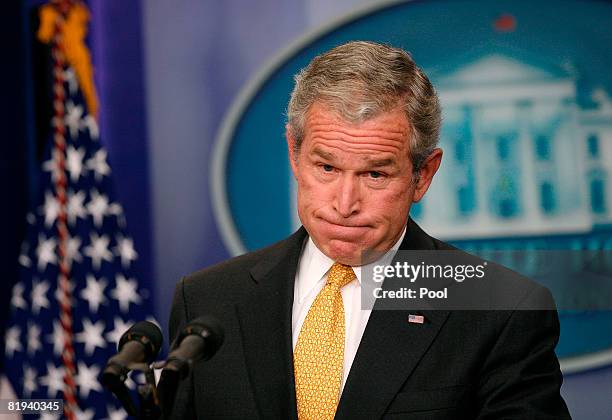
{"type": "Point", "coordinates": [291, 149]}
{"type": "Point", "coordinates": [428, 169]}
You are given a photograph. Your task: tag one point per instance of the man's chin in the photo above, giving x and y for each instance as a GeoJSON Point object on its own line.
{"type": "Point", "coordinates": [346, 253]}
{"type": "Point", "coordinates": [349, 253]}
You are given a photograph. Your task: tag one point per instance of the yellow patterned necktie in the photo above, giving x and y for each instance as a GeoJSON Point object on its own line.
{"type": "Point", "coordinates": [319, 353]}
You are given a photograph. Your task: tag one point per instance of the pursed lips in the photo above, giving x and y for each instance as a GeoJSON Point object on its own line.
{"type": "Point", "coordinates": [344, 225]}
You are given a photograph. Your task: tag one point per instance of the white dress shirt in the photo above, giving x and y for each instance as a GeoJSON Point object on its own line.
{"type": "Point", "coordinates": [310, 278]}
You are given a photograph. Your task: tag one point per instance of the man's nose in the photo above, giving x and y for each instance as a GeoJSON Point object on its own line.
{"type": "Point", "coordinates": [347, 201]}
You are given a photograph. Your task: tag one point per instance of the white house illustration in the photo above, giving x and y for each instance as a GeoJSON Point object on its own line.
{"type": "Point", "coordinates": [521, 158]}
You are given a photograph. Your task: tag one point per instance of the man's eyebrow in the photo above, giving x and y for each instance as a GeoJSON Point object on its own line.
{"type": "Point", "coordinates": [379, 163]}
{"type": "Point", "coordinates": [322, 153]}
{"type": "Point", "coordinates": [373, 163]}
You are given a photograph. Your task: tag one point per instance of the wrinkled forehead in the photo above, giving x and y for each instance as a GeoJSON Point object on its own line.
{"type": "Point", "coordinates": [392, 122]}
{"type": "Point", "coordinates": [388, 131]}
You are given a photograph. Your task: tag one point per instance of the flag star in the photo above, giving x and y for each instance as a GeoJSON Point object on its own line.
{"type": "Point", "coordinates": [72, 119]}
{"type": "Point", "coordinates": [84, 415]}
{"type": "Point", "coordinates": [98, 207]}
{"type": "Point", "coordinates": [134, 378]}
{"type": "Point", "coordinates": [57, 338]}
{"type": "Point", "coordinates": [12, 341]}
{"type": "Point", "coordinates": [91, 336]}
{"type": "Point", "coordinates": [93, 293]}
{"type": "Point", "coordinates": [125, 249]}
{"type": "Point", "coordinates": [39, 296]}
{"type": "Point", "coordinates": [45, 252]}
{"type": "Point", "coordinates": [115, 413]}
{"type": "Point", "coordinates": [98, 164]}
{"type": "Point", "coordinates": [74, 162]}
{"type": "Point", "coordinates": [17, 300]}
{"type": "Point", "coordinates": [98, 250]}
{"type": "Point", "coordinates": [53, 380]}
{"type": "Point", "coordinates": [29, 381]}
{"type": "Point", "coordinates": [59, 295]}
{"type": "Point", "coordinates": [75, 207]}
{"type": "Point", "coordinates": [33, 339]}
{"type": "Point", "coordinates": [70, 78]}
{"type": "Point", "coordinates": [125, 292]}
{"type": "Point", "coordinates": [30, 218]}
{"type": "Point", "coordinates": [115, 209]}
{"type": "Point", "coordinates": [24, 260]}
{"type": "Point", "coordinates": [48, 415]}
{"type": "Point", "coordinates": [51, 166]}
{"type": "Point", "coordinates": [90, 123]}
{"type": "Point", "coordinates": [51, 209]}
{"type": "Point", "coordinates": [119, 328]}
{"type": "Point", "coordinates": [87, 379]}
{"type": "Point", "coordinates": [73, 244]}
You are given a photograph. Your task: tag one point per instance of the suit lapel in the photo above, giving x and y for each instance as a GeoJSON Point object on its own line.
{"type": "Point", "coordinates": [389, 350]}
{"type": "Point", "coordinates": [265, 324]}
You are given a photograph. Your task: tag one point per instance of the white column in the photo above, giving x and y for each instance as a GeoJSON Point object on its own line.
{"type": "Point", "coordinates": [482, 216]}
{"type": "Point", "coordinates": [532, 214]}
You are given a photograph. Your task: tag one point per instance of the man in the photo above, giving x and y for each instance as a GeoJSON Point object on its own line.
{"type": "Point", "coordinates": [363, 124]}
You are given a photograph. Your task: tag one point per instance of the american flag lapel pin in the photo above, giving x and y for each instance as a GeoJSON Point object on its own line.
{"type": "Point", "coordinates": [416, 319]}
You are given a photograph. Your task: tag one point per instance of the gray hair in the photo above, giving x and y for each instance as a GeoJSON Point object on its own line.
{"type": "Point", "coordinates": [360, 80]}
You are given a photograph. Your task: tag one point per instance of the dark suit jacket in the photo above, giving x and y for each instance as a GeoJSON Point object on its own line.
{"type": "Point", "coordinates": [457, 365]}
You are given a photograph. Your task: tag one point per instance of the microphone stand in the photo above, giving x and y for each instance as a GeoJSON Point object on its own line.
{"type": "Point", "coordinates": [169, 382]}
{"type": "Point", "coordinates": [149, 408]}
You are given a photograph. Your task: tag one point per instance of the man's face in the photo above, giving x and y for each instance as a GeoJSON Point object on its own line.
{"type": "Point", "coordinates": [355, 182]}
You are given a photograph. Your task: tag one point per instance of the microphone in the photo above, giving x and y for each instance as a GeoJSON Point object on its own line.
{"type": "Point", "coordinates": [199, 340]}
{"type": "Point", "coordinates": [140, 344]}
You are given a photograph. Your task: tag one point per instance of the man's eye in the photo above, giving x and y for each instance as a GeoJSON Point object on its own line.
{"type": "Point", "coordinates": [375, 175]}
{"type": "Point", "coordinates": [328, 168]}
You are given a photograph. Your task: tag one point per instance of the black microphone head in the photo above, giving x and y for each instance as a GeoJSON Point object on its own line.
{"type": "Point", "coordinates": [207, 327]}
{"type": "Point", "coordinates": [148, 334]}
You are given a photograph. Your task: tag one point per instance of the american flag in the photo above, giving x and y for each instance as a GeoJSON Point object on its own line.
{"type": "Point", "coordinates": [77, 293]}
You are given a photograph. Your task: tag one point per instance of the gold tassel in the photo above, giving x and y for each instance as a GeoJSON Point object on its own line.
{"type": "Point", "coordinates": [73, 30]}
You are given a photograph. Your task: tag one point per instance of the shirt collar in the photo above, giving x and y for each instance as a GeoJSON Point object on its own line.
{"type": "Point", "coordinates": [314, 265]}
